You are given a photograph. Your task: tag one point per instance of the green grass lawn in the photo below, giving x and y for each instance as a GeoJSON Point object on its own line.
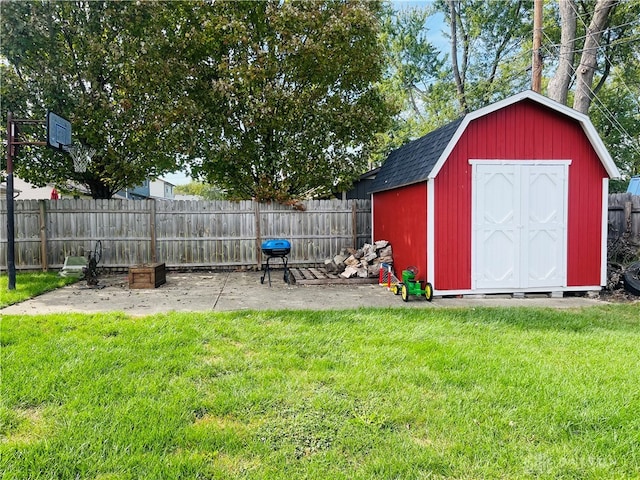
{"type": "Point", "coordinates": [362, 394]}
{"type": "Point", "coordinates": [29, 285]}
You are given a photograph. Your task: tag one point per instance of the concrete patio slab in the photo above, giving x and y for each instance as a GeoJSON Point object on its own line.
{"type": "Point", "coordinates": [224, 291]}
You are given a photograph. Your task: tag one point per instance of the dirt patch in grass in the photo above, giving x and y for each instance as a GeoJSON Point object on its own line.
{"type": "Point", "coordinates": [26, 427]}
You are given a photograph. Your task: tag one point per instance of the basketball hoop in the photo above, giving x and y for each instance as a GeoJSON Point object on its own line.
{"type": "Point", "coordinates": [81, 156]}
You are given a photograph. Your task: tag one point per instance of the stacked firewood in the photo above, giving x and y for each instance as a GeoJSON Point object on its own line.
{"type": "Point", "coordinates": [363, 262]}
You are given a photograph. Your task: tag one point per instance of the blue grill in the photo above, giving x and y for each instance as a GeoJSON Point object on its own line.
{"type": "Point", "coordinates": [277, 248]}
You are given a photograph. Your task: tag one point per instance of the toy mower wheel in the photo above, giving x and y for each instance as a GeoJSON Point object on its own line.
{"type": "Point", "coordinates": [428, 292]}
{"type": "Point", "coordinates": [395, 289]}
{"type": "Point", "coordinates": [405, 293]}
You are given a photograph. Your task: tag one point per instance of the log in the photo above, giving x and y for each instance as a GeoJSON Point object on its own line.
{"type": "Point", "coordinates": [349, 272]}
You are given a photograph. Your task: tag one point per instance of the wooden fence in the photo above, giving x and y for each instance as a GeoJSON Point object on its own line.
{"type": "Point", "coordinates": [624, 217]}
{"type": "Point", "coordinates": [217, 234]}
{"type": "Point", "coordinates": [189, 234]}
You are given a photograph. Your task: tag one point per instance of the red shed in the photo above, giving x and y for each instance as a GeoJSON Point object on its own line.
{"type": "Point", "coordinates": [510, 198]}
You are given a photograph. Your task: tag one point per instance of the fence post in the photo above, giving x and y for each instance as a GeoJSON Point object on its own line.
{"type": "Point", "coordinates": [152, 230]}
{"type": "Point", "coordinates": [354, 223]}
{"type": "Point", "coordinates": [43, 236]}
{"type": "Point", "coordinates": [627, 217]}
{"type": "Point", "coordinates": [256, 210]}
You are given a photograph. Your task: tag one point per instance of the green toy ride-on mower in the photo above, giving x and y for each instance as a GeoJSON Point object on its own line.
{"type": "Point", "coordinates": [411, 286]}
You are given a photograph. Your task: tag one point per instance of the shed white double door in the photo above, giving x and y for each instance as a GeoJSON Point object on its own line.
{"type": "Point", "coordinates": [519, 220]}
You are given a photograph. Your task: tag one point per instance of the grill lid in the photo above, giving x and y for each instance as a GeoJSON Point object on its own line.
{"type": "Point", "coordinates": [276, 247]}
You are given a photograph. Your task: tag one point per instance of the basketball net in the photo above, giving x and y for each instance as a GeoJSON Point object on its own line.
{"type": "Point", "coordinates": [81, 156]}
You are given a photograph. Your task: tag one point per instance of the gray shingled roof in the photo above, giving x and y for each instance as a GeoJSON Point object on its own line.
{"type": "Point", "coordinates": [413, 162]}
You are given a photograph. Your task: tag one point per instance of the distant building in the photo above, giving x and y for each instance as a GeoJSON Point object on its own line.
{"type": "Point", "coordinates": [361, 188]}
{"type": "Point", "coordinates": [158, 189]}
{"type": "Point", "coordinates": [161, 188]}
{"type": "Point", "coordinates": [23, 190]}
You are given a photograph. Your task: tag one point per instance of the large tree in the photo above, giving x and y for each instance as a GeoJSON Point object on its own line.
{"type": "Point", "coordinates": [558, 88]}
{"type": "Point", "coordinates": [290, 103]}
{"type": "Point", "coordinates": [98, 64]}
{"type": "Point", "coordinates": [412, 61]}
{"type": "Point", "coordinates": [485, 61]}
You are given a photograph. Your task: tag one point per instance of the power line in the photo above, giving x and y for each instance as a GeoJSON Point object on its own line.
{"type": "Point", "coordinates": [629, 39]}
{"type": "Point", "coordinates": [618, 41]}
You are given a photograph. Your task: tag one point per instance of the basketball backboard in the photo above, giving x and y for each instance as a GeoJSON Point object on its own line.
{"type": "Point", "coordinates": [58, 131]}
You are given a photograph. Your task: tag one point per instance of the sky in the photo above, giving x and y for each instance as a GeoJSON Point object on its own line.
{"type": "Point", "coordinates": [177, 178]}
{"type": "Point", "coordinates": [435, 25]}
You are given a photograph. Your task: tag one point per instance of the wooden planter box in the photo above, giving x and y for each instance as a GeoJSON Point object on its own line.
{"type": "Point", "coordinates": [150, 275]}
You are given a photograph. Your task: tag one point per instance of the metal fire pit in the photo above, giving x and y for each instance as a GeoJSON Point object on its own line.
{"type": "Point", "coordinates": [276, 249]}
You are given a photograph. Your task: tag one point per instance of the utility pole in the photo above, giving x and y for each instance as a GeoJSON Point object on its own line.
{"type": "Point", "coordinates": [536, 60]}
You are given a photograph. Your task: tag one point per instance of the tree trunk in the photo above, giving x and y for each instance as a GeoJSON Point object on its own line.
{"type": "Point", "coordinates": [536, 57]}
{"type": "Point", "coordinates": [454, 55]}
{"type": "Point", "coordinates": [98, 189]}
{"type": "Point", "coordinates": [559, 85]}
{"type": "Point", "coordinates": [588, 61]}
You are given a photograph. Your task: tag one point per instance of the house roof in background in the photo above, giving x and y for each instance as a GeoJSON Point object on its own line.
{"type": "Point", "coordinates": [370, 175]}
{"type": "Point", "coordinates": [164, 180]}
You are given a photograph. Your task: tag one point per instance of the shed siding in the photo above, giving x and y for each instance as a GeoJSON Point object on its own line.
{"type": "Point", "coordinates": [522, 131]}
{"type": "Point", "coordinates": [400, 216]}
{"type": "Point", "coordinates": [452, 224]}
{"type": "Point", "coordinates": [584, 251]}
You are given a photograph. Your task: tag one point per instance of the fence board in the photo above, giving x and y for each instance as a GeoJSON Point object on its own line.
{"type": "Point", "coordinates": [624, 216]}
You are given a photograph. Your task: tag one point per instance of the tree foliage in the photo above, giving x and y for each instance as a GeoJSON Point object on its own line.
{"type": "Point", "coordinates": [616, 116]}
{"type": "Point", "coordinates": [291, 98]}
{"type": "Point", "coordinates": [413, 80]}
{"type": "Point", "coordinates": [413, 62]}
{"type": "Point", "coordinates": [98, 64]}
{"type": "Point", "coordinates": [487, 60]}
{"type": "Point", "coordinates": [206, 191]}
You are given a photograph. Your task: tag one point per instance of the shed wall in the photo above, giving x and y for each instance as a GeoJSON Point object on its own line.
{"type": "Point", "coordinates": [400, 216]}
